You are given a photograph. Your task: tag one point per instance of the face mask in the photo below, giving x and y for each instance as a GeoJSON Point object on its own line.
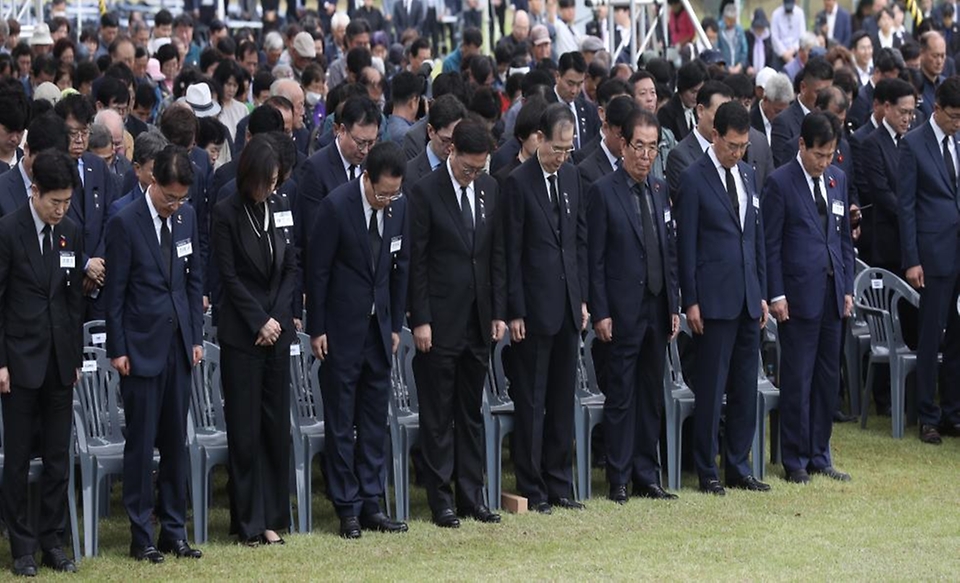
{"type": "Point", "coordinates": [313, 98]}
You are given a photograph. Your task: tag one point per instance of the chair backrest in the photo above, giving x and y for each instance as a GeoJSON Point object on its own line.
{"type": "Point", "coordinates": [770, 343]}
{"type": "Point", "coordinates": [498, 382]}
{"type": "Point", "coordinates": [860, 266]}
{"type": "Point", "coordinates": [96, 398]}
{"type": "Point", "coordinates": [586, 373]}
{"type": "Point", "coordinates": [95, 333]}
{"type": "Point", "coordinates": [673, 371]}
{"type": "Point", "coordinates": [206, 396]}
{"type": "Point", "coordinates": [403, 392]}
{"type": "Point", "coordinates": [877, 292]}
{"type": "Point", "coordinates": [209, 330]}
{"type": "Point", "coordinates": [305, 382]}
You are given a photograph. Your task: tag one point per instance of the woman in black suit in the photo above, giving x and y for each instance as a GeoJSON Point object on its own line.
{"type": "Point", "coordinates": [258, 275]}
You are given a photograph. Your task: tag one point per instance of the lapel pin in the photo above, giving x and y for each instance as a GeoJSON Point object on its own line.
{"type": "Point", "coordinates": [179, 219]}
{"type": "Point", "coordinates": [389, 211]}
{"type": "Point", "coordinates": [483, 212]}
{"type": "Point", "coordinates": [566, 203]}
{"type": "Point", "coordinates": [832, 183]}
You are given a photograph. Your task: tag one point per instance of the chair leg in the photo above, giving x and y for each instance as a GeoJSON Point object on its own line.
{"type": "Point", "coordinates": [95, 516]}
{"type": "Point", "coordinates": [582, 451]}
{"type": "Point", "coordinates": [851, 350]}
{"type": "Point", "coordinates": [489, 440]}
{"type": "Point", "coordinates": [673, 452]}
{"type": "Point", "coordinates": [867, 387]}
{"type": "Point", "coordinates": [897, 391]}
{"type": "Point", "coordinates": [72, 509]}
{"type": "Point", "coordinates": [403, 496]}
{"type": "Point", "coordinates": [496, 486]}
{"type": "Point", "coordinates": [759, 434]}
{"type": "Point", "coordinates": [197, 491]}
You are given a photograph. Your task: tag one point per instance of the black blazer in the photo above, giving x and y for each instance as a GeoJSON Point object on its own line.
{"type": "Point", "coordinates": [416, 169]}
{"type": "Point", "coordinates": [784, 132]}
{"type": "Point", "coordinates": [585, 150]}
{"type": "Point", "coordinates": [880, 180]}
{"type": "Point", "coordinates": [504, 154]}
{"type": "Point", "coordinates": [322, 173]}
{"type": "Point", "coordinates": [546, 267]}
{"type": "Point", "coordinates": [415, 140]}
{"type": "Point", "coordinates": [686, 153]}
{"type": "Point", "coordinates": [756, 119]}
{"type": "Point", "coordinates": [39, 312]}
{"type": "Point", "coordinates": [252, 291]}
{"type": "Point", "coordinates": [4, 167]}
{"type": "Point", "coordinates": [402, 20]}
{"type": "Point", "coordinates": [88, 209]}
{"type": "Point", "coordinates": [593, 168]}
{"type": "Point", "coordinates": [446, 276]}
{"type": "Point", "coordinates": [862, 106]}
{"type": "Point", "coordinates": [671, 117]}
{"type": "Point", "coordinates": [13, 192]}
{"type": "Point", "coordinates": [504, 172]}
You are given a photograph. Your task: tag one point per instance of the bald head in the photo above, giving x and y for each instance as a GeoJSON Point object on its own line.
{"type": "Point", "coordinates": [521, 25]}
{"type": "Point", "coordinates": [113, 122]}
{"type": "Point", "coordinates": [291, 90]}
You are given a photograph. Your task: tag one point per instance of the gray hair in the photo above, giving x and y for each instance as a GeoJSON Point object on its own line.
{"type": "Point", "coordinates": [147, 145]}
{"type": "Point", "coordinates": [100, 136]}
{"type": "Point", "coordinates": [808, 40]}
{"type": "Point", "coordinates": [778, 89]}
{"type": "Point", "coordinates": [273, 41]}
{"type": "Point", "coordinates": [339, 19]}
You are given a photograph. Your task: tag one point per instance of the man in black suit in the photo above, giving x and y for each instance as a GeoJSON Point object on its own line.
{"type": "Point", "coordinates": [571, 71]}
{"type": "Point", "coordinates": [13, 119]}
{"type": "Point", "coordinates": [777, 96]}
{"type": "Point", "coordinates": [445, 113]}
{"type": "Point", "coordinates": [634, 302]}
{"type": "Point", "coordinates": [526, 134]}
{"type": "Point", "coordinates": [815, 75]}
{"type": "Point", "coordinates": [546, 249]}
{"type": "Point", "coordinates": [711, 96]}
{"type": "Point", "coordinates": [606, 90]}
{"type": "Point", "coordinates": [47, 131]}
{"type": "Point", "coordinates": [457, 306]}
{"type": "Point", "coordinates": [679, 115]}
{"type": "Point", "coordinates": [407, 14]}
{"type": "Point", "coordinates": [887, 65]}
{"type": "Point", "coordinates": [357, 127]}
{"type": "Point", "coordinates": [357, 289]}
{"type": "Point", "coordinates": [41, 304]}
{"type": "Point", "coordinates": [606, 158]}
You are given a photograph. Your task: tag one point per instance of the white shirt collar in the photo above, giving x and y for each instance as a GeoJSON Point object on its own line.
{"type": "Point", "coordinates": [610, 157]}
{"type": "Point", "coordinates": [346, 164]}
{"type": "Point", "coordinates": [939, 133]}
{"type": "Point", "coordinates": [37, 221]}
{"type": "Point", "coordinates": [704, 142]}
{"type": "Point", "coordinates": [803, 108]}
{"type": "Point", "coordinates": [26, 179]}
{"type": "Point", "coordinates": [890, 130]}
{"type": "Point", "coordinates": [737, 179]}
{"type": "Point", "coordinates": [823, 189]}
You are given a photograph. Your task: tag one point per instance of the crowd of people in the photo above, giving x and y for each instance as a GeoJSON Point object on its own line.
{"type": "Point", "coordinates": [347, 174]}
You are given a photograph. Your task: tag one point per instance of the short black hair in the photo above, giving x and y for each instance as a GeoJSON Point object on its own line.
{"type": "Point", "coordinates": [44, 65]}
{"type": "Point", "coordinates": [481, 68]}
{"type": "Point", "coordinates": [471, 137]}
{"type": "Point", "coordinates": [13, 113]}
{"type": "Point", "coordinates": [47, 131]}
{"type": "Point", "coordinates": [444, 111]}
{"type": "Point", "coordinates": [172, 166]}
{"type": "Point", "coordinates": [54, 170]}
{"type": "Point", "coordinates": [77, 106]}
{"type": "Point", "coordinates": [146, 96]}
{"type": "Point", "coordinates": [895, 90]}
{"type": "Point", "coordinates": [639, 118]}
{"type": "Point", "coordinates": [610, 88]}
{"type": "Point", "coordinates": [87, 72]}
{"type": "Point", "coordinates": [279, 102]}
{"type": "Point", "coordinates": [948, 93]}
{"type": "Point", "coordinates": [183, 19]}
{"type": "Point", "coordinates": [109, 20]}
{"type": "Point", "coordinates": [258, 161]}
{"type": "Point", "coordinates": [732, 115]}
{"type": "Point", "coordinates": [528, 118]}
{"type": "Point", "coordinates": [417, 44]}
{"type": "Point", "coordinates": [711, 88]}
{"type": "Point", "coordinates": [212, 131]}
{"type": "Point", "coordinates": [405, 86]}
{"type": "Point", "coordinates": [208, 57]}
{"type": "Point", "coordinates": [910, 50]}
{"type": "Point", "coordinates": [358, 59]}
{"type": "Point", "coordinates": [265, 119]}
{"type": "Point", "coordinates": [820, 128]}
{"type": "Point", "coordinates": [857, 37]}
{"type": "Point", "coordinates": [262, 82]}
{"type": "Point", "coordinates": [385, 159]}
{"type": "Point", "coordinates": [451, 84]}
{"type": "Point", "coordinates": [472, 37]}
{"type": "Point", "coordinates": [247, 46]}
{"type": "Point", "coordinates": [359, 110]}
{"type": "Point", "coordinates": [163, 17]}
{"type": "Point", "coordinates": [357, 27]}
{"type": "Point", "coordinates": [286, 154]}
{"type": "Point", "coordinates": [122, 72]}
{"type": "Point", "coordinates": [485, 103]}
{"type": "Point", "coordinates": [166, 53]}
{"type": "Point", "coordinates": [618, 111]}
{"type": "Point", "coordinates": [533, 78]}
{"type": "Point", "coordinates": [691, 74]}
{"type": "Point", "coordinates": [179, 125]}
{"type": "Point", "coordinates": [572, 60]}
{"type": "Point", "coordinates": [113, 90]}
{"type": "Point", "coordinates": [555, 115]}
{"type": "Point", "coordinates": [816, 69]}
{"type": "Point", "coordinates": [889, 60]}
{"type": "Point", "coordinates": [741, 84]}
{"type": "Point", "coordinates": [312, 72]}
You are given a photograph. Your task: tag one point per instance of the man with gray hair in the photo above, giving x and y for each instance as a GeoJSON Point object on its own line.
{"type": "Point", "coordinates": [145, 150]}
{"type": "Point", "coordinates": [118, 162]}
{"type": "Point", "coordinates": [808, 42]}
{"type": "Point", "coordinates": [777, 95]}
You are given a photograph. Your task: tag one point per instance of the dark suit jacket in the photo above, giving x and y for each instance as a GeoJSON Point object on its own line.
{"type": "Point", "coordinates": [546, 266]}
{"type": "Point", "coordinates": [880, 179]}
{"type": "Point", "coordinates": [616, 255]}
{"type": "Point", "coordinates": [756, 119]}
{"type": "Point", "coordinates": [842, 30]}
{"type": "Point", "coordinates": [446, 276]}
{"type": "Point", "coordinates": [585, 150]}
{"type": "Point", "coordinates": [123, 201]}
{"type": "Point", "coordinates": [4, 167]}
{"type": "Point", "coordinates": [722, 266]}
{"type": "Point", "coordinates": [39, 312]}
{"type": "Point", "coordinates": [415, 140]}
{"type": "Point", "coordinates": [594, 167]}
{"type": "Point", "coordinates": [322, 174]}
{"type": "Point", "coordinates": [221, 176]}
{"type": "Point", "coordinates": [504, 172]}
{"type": "Point", "coordinates": [402, 20]}
{"type": "Point", "coordinates": [862, 106]}
{"type": "Point", "coordinates": [587, 117]}
{"type": "Point", "coordinates": [784, 133]}
{"type": "Point", "coordinates": [504, 154]}
{"type": "Point", "coordinates": [759, 156]}
{"type": "Point", "coordinates": [142, 298]}
{"type": "Point", "coordinates": [796, 264]}
{"type": "Point", "coordinates": [90, 203]}
{"type": "Point", "coordinates": [13, 192]}
{"type": "Point", "coordinates": [342, 284]}
{"type": "Point", "coordinates": [135, 126]}
{"type": "Point", "coordinates": [671, 117]}
{"type": "Point", "coordinates": [842, 159]}
{"type": "Point", "coordinates": [252, 291]}
{"type": "Point", "coordinates": [686, 153]}
{"type": "Point", "coordinates": [120, 168]}
{"type": "Point", "coordinates": [929, 217]}
{"type": "Point", "coordinates": [417, 168]}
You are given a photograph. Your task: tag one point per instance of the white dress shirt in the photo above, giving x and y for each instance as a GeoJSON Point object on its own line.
{"type": "Point", "coordinates": [345, 162]}
{"type": "Point", "coordinates": [767, 126]}
{"type": "Point", "coordinates": [742, 201]}
{"type": "Point", "coordinates": [832, 22]}
{"type": "Point", "coordinates": [704, 142]}
{"type": "Point", "coordinates": [610, 157]}
{"type": "Point", "coordinates": [39, 225]}
{"type": "Point", "coordinates": [952, 144]}
{"type": "Point", "coordinates": [470, 191]}
{"type": "Point", "coordinates": [155, 216]}
{"type": "Point", "coordinates": [368, 210]}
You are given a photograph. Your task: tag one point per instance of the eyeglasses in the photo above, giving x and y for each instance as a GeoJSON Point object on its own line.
{"type": "Point", "coordinates": [649, 149]}
{"type": "Point", "coordinates": [735, 147]}
{"type": "Point", "coordinates": [173, 201]}
{"type": "Point", "coordinates": [470, 171]}
{"type": "Point", "coordinates": [78, 134]}
{"type": "Point", "coordinates": [387, 197]}
{"type": "Point", "coordinates": [561, 151]}
{"type": "Point", "coordinates": [361, 144]}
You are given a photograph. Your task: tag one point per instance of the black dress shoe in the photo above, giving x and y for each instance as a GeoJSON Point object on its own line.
{"type": "Point", "coordinates": [252, 542]}
{"type": "Point", "coordinates": [798, 477]}
{"type": "Point", "coordinates": [277, 541]}
{"type": "Point", "coordinates": [712, 487]}
{"type": "Point", "coordinates": [180, 548]}
{"type": "Point", "coordinates": [748, 483]}
{"type": "Point", "coordinates": [653, 491]}
{"type": "Point", "coordinates": [483, 514]}
{"type": "Point", "coordinates": [349, 527]}
{"type": "Point", "coordinates": [950, 429]}
{"type": "Point", "coordinates": [541, 508]}
{"type": "Point", "coordinates": [25, 566]}
{"type": "Point", "coordinates": [380, 522]}
{"type": "Point", "coordinates": [57, 560]}
{"type": "Point", "coordinates": [147, 553]}
{"type": "Point", "coordinates": [567, 503]}
{"type": "Point", "coordinates": [446, 519]}
{"type": "Point", "coordinates": [618, 493]}
{"type": "Point", "coordinates": [832, 473]}
{"type": "Point", "coordinates": [930, 434]}
{"type": "Point", "coordinates": [841, 417]}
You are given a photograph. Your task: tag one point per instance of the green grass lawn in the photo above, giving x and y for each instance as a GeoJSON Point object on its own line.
{"type": "Point", "coordinates": [898, 519]}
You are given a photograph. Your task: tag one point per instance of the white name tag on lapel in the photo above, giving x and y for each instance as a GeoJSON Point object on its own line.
{"type": "Point", "coordinates": [666, 216]}
{"type": "Point", "coordinates": [396, 243]}
{"type": "Point", "coordinates": [68, 260]}
{"type": "Point", "coordinates": [756, 201]}
{"type": "Point", "coordinates": [283, 219]}
{"type": "Point", "coordinates": [184, 248]}
{"type": "Point", "coordinates": [89, 366]}
{"type": "Point", "coordinates": [838, 208]}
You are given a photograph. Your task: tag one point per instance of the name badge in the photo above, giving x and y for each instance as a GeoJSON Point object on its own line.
{"type": "Point", "coordinates": [666, 216]}
{"type": "Point", "coordinates": [295, 349]}
{"type": "Point", "coordinates": [89, 366]}
{"type": "Point", "coordinates": [98, 338]}
{"type": "Point", "coordinates": [838, 208]}
{"type": "Point", "coordinates": [67, 260]}
{"type": "Point", "coordinates": [756, 201]}
{"type": "Point", "coordinates": [395, 243]}
{"type": "Point", "coordinates": [283, 219]}
{"type": "Point", "coordinates": [184, 248]}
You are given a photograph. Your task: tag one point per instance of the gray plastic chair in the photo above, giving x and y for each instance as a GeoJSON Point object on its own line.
{"type": "Point", "coordinates": [678, 405]}
{"type": "Point", "coordinates": [588, 413]}
{"type": "Point", "coordinates": [306, 425]}
{"type": "Point", "coordinates": [498, 421]}
{"type": "Point", "coordinates": [403, 420]}
{"type": "Point", "coordinates": [768, 406]}
{"type": "Point", "coordinates": [209, 330]}
{"type": "Point", "coordinates": [206, 435]}
{"type": "Point", "coordinates": [877, 294]}
{"type": "Point", "coordinates": [855, 347]}
{"type": "Point", "coordinates": [100, 439]}
{"type": "Point", "coordinates": [95, 333]}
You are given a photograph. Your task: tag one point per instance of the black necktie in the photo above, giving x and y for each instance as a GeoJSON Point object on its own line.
{"type": "Point", "coordinates": [352, 170]}
{"type": "Point", "coordinates": [555, 201]}
{"type": "Point", "coordinates": [821, 203]}
{"type": "Point", "coordinates": [375, 239]}
{"type": "Point", "coordinates": [166, 246]}
{"type": "Point", "coordinates": [47, 250]}
{"type": "Point", "coordinates": [651, 241]}
{"type": "Point", "coordinates": [948, 160]}
{"type": "Point", "coordinates": [732, 193]}
{"type": "Point", "coordinates": [466, 212]}
{"type": "Point", "coordinates": [896, 140]}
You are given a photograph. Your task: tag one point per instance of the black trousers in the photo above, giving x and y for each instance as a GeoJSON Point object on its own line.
{"type": "Point", "coordinates": [544, 378]}
{"type": "Point", "coordinates": [355, 402]}
{"type": "Point", "coordinates": [633, 408]}
{"type": "Point", "coordinates": [938, 331]}
{"type": "Point", "coordinates": [450, 384]}
{"type": "Point", "coordinates": [49, 408]}
{"type": "Point", "coordinates": [256, 399]}
{"type": "Point", "coordinates": [156, 415]}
